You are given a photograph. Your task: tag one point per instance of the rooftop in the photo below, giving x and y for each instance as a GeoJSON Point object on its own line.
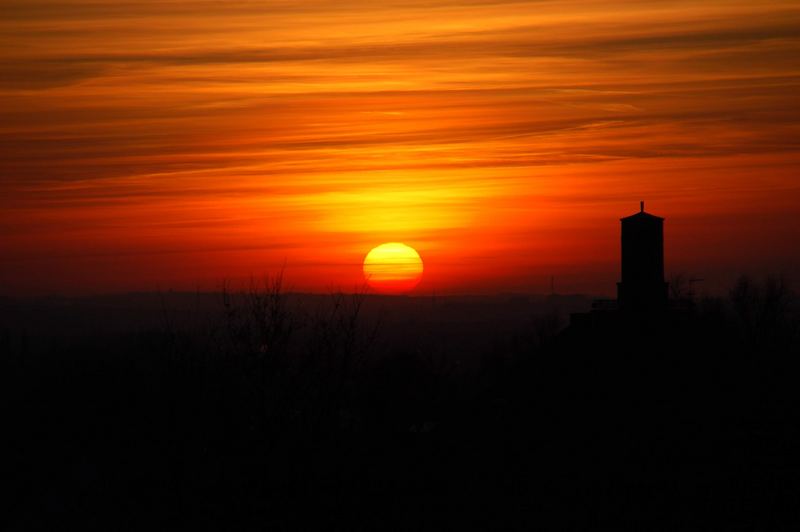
{"type": "Point", "coordinates": [641, 215]}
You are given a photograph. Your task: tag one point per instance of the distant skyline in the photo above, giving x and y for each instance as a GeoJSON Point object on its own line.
{"type": "Point", "coordinates": [176, 144]}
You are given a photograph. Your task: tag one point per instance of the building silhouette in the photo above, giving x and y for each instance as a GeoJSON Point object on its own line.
{"type": "Point", "coordinates": [642, 287]}
{"type": "Point", "coordinates": [642, 293]}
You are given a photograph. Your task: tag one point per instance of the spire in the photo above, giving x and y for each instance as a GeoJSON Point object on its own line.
{"type": "Point", "coordinates": [641, 206]}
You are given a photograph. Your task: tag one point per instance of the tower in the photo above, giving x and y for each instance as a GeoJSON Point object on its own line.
{"type": "Point", "coordinates": [642, 286]}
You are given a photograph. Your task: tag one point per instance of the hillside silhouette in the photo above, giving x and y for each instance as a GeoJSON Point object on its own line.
{"type": "Point", "coordinates": [264, 409]}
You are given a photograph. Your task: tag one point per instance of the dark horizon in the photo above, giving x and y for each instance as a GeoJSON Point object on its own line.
{"type": "Point", "coordinates": [259, 407]}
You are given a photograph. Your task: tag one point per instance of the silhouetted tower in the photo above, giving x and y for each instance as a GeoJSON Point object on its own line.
{"type": "Point", "coordinates": [642, 286]}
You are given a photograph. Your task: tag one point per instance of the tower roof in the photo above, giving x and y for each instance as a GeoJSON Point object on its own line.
{"type": "Point", "coordinates": [641, 215]}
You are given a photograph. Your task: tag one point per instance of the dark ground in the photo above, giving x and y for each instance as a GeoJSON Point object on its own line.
{"type": "Point", "coordinates": [273, 411]}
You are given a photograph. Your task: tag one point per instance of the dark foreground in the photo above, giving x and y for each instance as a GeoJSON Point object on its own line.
{"type": "Point", "coordinates": [265, 411]}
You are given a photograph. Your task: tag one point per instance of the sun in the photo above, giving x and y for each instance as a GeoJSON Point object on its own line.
{"type": "Point", "coordinates": [393, 268]}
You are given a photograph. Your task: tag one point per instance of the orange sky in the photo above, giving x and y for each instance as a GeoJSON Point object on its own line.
{"type": "Point", "coordinates": [174, 144]}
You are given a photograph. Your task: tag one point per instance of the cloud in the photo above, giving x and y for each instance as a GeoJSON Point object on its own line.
{"type": "Point", "coordinates": [45, 74]}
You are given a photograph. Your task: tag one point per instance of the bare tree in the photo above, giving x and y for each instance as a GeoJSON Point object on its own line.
{"type": "Point", "coordinates": [679, 285]}
{"type": "Point", "coordinates": [762, 308]}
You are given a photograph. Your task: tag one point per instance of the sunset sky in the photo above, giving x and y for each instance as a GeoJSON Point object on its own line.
{"type": "Point", "coordinates": [175, 144]}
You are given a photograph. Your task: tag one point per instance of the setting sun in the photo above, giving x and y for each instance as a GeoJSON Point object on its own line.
{"type": "Point", "coordinates": [393, 268]}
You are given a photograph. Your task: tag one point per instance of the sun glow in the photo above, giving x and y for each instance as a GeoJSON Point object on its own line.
{"type": "Point", "coordinates": [393, 268]}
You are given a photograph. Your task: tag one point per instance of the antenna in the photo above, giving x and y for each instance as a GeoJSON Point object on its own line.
{"type": "Point", "coordinates": [641, 206]}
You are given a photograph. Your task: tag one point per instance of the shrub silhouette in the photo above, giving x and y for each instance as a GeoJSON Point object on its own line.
{"type": "Point", "coordinates": [272, 410]}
